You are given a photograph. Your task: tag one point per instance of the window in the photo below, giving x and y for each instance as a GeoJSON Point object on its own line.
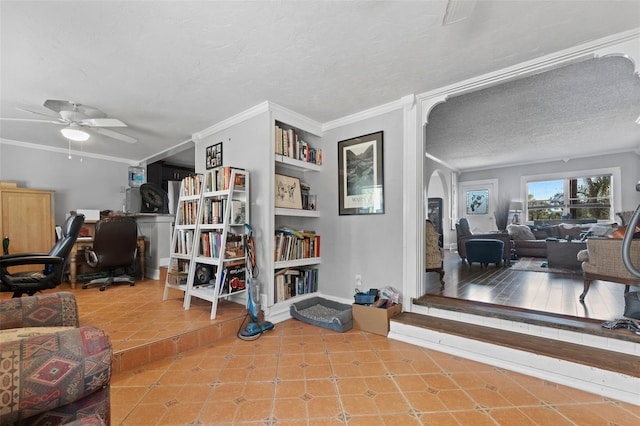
{"type": "Point", "coordinates": [585, 197]}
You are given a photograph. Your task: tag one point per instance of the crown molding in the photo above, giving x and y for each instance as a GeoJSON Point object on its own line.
{"type": "Point", "coordinates": [82, 154]}
{"type": "Point", "coordinates": [231, 121]}
{"type": "Point", "coordinates": [279, 112]}
{"type": "Point", "coordinates": [295, 119]}
{"type": "Point", "coordinates": [625, 44]}
{"type": "Point", "coordinates": [167, 152]}
{"type": "Point", "coordinates": [401, 103]}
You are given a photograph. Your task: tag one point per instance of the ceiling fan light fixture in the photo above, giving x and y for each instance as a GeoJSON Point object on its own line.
{"type": "Point", "coordinates": [74, 133]}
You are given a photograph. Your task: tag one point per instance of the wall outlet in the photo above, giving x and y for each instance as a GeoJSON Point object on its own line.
{"type": "Point", "coordinates": [358, 281]}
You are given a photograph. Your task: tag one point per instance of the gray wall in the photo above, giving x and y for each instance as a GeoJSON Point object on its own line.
{"type": "Point", "coordinates": [247, 145]}
{"type": "Point", "coordinates": [509, 177]}
{"type": "Point", "coordinates": [90, 184]}
{"type": "Point", "coordinates": [370, 245]}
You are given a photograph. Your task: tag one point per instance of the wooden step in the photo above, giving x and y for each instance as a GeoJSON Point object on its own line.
{"type": "Point", "coordinates": [593, 357]}
{"type": "Point", "coordinates": [545, 319]}
{"type": "Point", "coordinates": [172, 346]}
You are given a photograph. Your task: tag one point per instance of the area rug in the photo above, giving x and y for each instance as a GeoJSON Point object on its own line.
{"type": "Point", "coordinates": [535, 264]}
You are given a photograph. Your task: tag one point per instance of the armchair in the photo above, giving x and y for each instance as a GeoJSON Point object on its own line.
{"type": "Point", "coordinates": [114, 247]}
{"type": "Point", "coordinates": [54, 263]}
{"type": "Point", "coordinates": [54, 371]}
{"type": "Point", "coordinates": [463, 234]}
{"type": "Point", "coordinates": [434, 254]}
{"type": "Point", "coordinates": [602, 260]}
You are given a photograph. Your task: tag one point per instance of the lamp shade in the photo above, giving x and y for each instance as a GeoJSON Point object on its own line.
{"type": "Point", "coordinates": [516, 205]}
{"type": "Point", "coordinates": [75, 133]}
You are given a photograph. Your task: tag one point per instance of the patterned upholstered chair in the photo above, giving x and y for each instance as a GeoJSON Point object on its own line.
{"type": "Point", "coordinates": [602, 260]}
{"type": "Point", "coordinates": [434, 254]}
{"type": "Point", "coordinates": [53, 371]}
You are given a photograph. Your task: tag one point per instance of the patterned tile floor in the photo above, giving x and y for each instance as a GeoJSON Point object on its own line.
{"type": "Point", "coordinates": [136, 315]}
{"type": "Point", "coordinates": [299, 374]}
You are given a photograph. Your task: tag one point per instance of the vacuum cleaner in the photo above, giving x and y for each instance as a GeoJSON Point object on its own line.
{"type": "Point", "coordinates": [254, 329]}
{"type": "Point", "coordinates": [628, 237]}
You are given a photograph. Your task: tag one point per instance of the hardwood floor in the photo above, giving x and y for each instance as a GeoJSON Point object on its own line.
{"type": "Point", "coordinates": [539, 291]}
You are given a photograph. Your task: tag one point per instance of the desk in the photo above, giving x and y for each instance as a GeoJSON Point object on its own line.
{"type": "Point", "coordinates": [82, 242]}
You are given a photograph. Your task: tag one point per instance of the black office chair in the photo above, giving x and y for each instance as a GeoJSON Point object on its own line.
{"type": "Point", "coordinates": [30, 282]}
{"type": "Point", "coordinates": [114, 247]}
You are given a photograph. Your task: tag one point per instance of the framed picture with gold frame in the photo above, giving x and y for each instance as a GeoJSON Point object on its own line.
{"type": "Point", "coordinates": [287, 192]}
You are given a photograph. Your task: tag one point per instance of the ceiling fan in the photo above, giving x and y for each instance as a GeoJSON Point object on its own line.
{"type": "Point", "coordinates": [77, 118]}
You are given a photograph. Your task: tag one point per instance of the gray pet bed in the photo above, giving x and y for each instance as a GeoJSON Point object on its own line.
{"type": "Point", "coordinates": [323, 313]}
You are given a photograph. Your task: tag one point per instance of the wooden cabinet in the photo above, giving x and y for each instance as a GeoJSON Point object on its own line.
{"type": "Point", "coordinates": [27, 219]}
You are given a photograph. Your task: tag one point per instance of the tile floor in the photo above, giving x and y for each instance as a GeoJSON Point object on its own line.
{"type": "Point", "coordinates": [299, 374]}
{"type": "Point", "coordinates": [303, 375]}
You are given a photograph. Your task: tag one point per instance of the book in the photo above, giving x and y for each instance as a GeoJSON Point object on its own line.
{"type": "Point", "coordinates": [238, 216]}
{"type": "Point", "coordinates": [234, 277]}
{"type": "Point", "coordinates": [235, 246]}
{"type": "Point", "coordinates": [278, 141]}
{"type": "Point", "coordinates": [313, 202]}
{"type": "Point", "coordinates": [219, 178]}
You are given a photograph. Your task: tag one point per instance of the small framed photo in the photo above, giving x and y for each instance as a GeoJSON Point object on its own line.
{"type": "Point", "coordinates": [288, 194]}
{"type": "Point", "coordinates": [361, 175]}
{"type": "Point", "coordinates": [478, 202]}
{"type": "Point", "coordinates": [214, 156]}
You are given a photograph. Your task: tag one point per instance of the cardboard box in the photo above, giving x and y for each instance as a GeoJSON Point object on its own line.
{"type": "Point", "coordinates": [177, 278]}
{"type": "Point", "coordinates": [374, 320]}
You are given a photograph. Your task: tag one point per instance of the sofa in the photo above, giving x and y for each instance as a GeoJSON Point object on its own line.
{"type": "Point", "coordinates": [54, 372]}
{"type": "Point", "coordinates": [530, 241]}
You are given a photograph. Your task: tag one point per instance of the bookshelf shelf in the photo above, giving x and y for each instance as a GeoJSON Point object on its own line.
{"type": "Point", "coordinates": [279, 211]}
{"type": "Point", "coordinates": [208, 242]}
{"type": "Point", "coordinates": [298, 263]}
{"type": "Point", "coordinates": [293, 164]}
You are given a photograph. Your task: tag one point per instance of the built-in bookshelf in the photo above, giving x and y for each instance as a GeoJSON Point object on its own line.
{"type": "Point", "coordinates": [208, 258]}
{"type": "Point", "coordinates": [296, 242]}
{"type": "Point", "coordinates": [290, 144]}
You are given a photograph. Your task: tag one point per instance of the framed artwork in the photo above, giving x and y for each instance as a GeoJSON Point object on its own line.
{"type": "Point", "coordinates": [361, 175]}
{"type": "Point", "coordinates": [214, 156]}
{"type": "Point", "coordinates": [434, 213]}
{"type": "Point", "coordinates": [478, 201]}
{"type": "Point", "coordinates": [288, 194]}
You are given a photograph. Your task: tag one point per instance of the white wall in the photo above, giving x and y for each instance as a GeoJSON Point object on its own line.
{"type": "Point", "coordinates": [431, 167]}
{"type": "Point", "coordinates": [90, 184]}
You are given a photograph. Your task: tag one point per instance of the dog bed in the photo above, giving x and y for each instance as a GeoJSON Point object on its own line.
{"type": "Point", "coordinates": [323, 313]}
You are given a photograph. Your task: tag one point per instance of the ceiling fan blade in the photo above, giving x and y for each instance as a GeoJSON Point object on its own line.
{"type": "Point", "coordinates": [34, 120]}
{"type": "Point", "coordinates": [115, 135]}
{"type": "Point", "coordinates": [103, 122]}
{"type": "Point", "coordinates": [58, 106]}
{"type": "Point", "coordinates": [38, 113]}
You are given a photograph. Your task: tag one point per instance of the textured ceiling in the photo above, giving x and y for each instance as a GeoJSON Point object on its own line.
{"type": "Point", "coordinates": [580, 110]}
{"type": "Point", "coordinates": [170, 69]}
